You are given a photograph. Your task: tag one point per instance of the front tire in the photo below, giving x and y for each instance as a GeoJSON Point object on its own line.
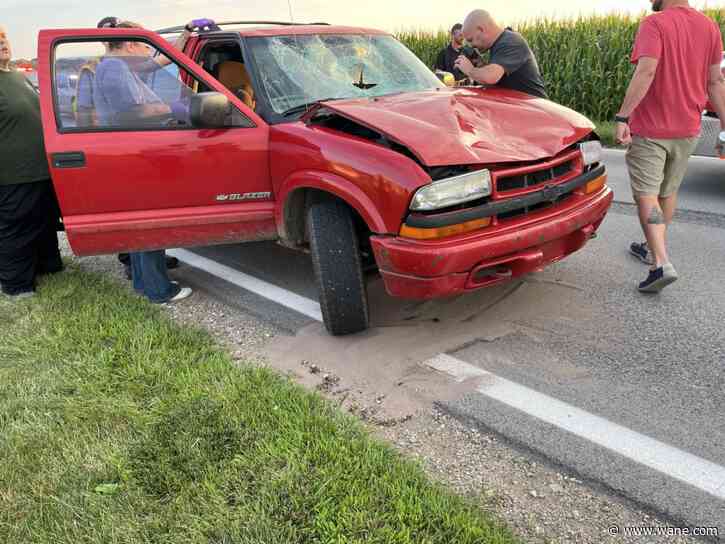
{"type": "Point", "coordinates": [336, 261]}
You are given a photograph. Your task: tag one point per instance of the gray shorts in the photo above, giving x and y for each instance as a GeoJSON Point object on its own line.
{"type": "Point", "coordinates": [657, 167]}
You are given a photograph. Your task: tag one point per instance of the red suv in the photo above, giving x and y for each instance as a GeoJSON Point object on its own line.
{"type": "Point", "coordinates": [334, 140]}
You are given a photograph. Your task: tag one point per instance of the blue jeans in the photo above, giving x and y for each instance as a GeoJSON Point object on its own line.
{"type": "Point", "coordinates": [150, 277]}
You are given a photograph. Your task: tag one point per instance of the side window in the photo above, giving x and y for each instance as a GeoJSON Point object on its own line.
{"type": "Point", "coordinates": [165, 83]}
{"type": "Point", "coordinates": [126, 85]}
{"type": "Point", "coordinates": [224, 62]}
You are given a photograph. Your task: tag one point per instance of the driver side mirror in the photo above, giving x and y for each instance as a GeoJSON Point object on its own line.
{"type": "Point", "coordinates": [447, 78]}
{"type": "Point", "coordinates": [209, 110]}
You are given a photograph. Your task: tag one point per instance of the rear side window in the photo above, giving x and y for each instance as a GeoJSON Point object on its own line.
{"type": "Point", "coordinates": [127, 85]}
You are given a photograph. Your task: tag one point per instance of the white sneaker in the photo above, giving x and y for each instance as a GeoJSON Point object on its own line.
{"type": "Point", "coordinates": [184, 292]}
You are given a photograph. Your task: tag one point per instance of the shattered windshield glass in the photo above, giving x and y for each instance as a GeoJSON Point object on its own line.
{"type": "Point", "coordinates": [299, 70]}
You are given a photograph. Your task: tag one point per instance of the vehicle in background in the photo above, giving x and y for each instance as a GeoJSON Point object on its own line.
{"type": "Point", "coordinates": [29, 71]}
{"type": "Point", "coordinates": [32, 76]}
{"type": "Point", "coordinates": [711, 128]}
{"type": "Point", "coordinates": [336, 141]}
{"type": "Point", "coordinates": [66, 90]}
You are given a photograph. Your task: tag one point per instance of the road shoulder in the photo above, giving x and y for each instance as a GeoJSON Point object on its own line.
{"type": "Point", "coordinates": [541, 502]}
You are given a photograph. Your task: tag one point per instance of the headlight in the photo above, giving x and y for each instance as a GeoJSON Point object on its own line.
{"type": "Point", "coordinates": [591, 152]}
{"type": "Point", "coordinates": [452, 191]}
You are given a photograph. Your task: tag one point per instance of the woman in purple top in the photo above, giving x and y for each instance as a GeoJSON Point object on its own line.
{"type": "Point", "coordinates": [122, 98]}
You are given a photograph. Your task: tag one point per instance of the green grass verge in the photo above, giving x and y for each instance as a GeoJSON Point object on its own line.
{"type": "Point", "coordinates": [119, 426]}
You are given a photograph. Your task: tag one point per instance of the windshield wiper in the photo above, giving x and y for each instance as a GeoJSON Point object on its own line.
{"type": "Point", "coordinates": [304, 107]}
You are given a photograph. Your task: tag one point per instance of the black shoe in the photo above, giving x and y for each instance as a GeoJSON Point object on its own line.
{"type": "Point", "coordinates": [658, 279]}
{"type": "Point", "coordinates": [641, 251]}
{"type": "Point", "coordinates": [47, 270]}
{"type": "Point", "coordinates": [127, 272]}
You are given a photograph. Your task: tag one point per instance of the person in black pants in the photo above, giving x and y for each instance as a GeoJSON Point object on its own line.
{"type": "Point", "coordinates": [29, 212]}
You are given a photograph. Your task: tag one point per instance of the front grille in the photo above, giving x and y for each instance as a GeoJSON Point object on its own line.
{"type": "Point", "coordinates": [520, 212]}
{"type": "Point", "coordinates": [534, 179]}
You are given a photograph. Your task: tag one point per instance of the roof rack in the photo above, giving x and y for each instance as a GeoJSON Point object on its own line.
{"type": "Point", "coordinates": [175, 29]}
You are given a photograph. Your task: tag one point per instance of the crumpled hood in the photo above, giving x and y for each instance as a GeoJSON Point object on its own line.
{"type": "Point", "coordinates": [468, 126]}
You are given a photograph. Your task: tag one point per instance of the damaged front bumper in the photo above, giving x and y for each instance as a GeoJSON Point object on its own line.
{"type": "Point", "coordinates": [431, 269]}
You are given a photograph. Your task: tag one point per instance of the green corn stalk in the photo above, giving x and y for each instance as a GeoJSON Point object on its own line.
{"type": "Point", "coordinates": [584, 61]}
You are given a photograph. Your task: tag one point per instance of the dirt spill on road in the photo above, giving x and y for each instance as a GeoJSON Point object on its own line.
{"type": "Point", "coordinates": [379, 373]}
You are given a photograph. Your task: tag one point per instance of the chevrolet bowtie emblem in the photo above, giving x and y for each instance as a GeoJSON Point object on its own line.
{"type": "Point", "coordinates": [551, 193]}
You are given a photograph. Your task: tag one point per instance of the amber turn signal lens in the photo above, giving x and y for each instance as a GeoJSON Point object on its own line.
{"type": "Point", "coordinates": [443, 232]}
{"type": "Point", "coordinates": [594, 185]}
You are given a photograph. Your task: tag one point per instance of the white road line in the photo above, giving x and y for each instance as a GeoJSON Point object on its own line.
{"type": "Point", "coordinates": [281, 296]}
{"type": "Point", "coordinates": [693, 470]}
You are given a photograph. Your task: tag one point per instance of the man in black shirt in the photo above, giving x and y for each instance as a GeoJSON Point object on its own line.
{"type": "Point", "coordinates": [447, 57]}
{"type": "Point", "coordinates": [512, 64]}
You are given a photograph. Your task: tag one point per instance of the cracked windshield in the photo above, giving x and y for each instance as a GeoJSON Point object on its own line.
{"type": "Point", "coordinates": [301, 70]}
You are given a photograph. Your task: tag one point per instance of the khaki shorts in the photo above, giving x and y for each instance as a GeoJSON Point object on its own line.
{"type": "Point", "coordinates": [657, 167]}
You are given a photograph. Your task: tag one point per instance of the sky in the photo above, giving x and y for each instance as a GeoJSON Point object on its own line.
{"type": "Point", "coordinates": [23, 18]}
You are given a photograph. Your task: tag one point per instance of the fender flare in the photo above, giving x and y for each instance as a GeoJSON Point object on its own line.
{"type": "Point", "coordinates": [331, 183]}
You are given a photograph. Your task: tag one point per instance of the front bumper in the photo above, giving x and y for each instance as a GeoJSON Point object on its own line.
{"type": "Point", "coordinates": [431, 269]}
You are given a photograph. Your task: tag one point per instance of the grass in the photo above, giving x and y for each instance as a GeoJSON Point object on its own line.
{"type": "Point", "coordinates": [119, 426]}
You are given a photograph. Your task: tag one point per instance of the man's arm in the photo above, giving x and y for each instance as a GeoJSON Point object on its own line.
{"type": "Point", "coordinates": [716, 92]}
{"type": "Point", "coordinates": [179, 44]}
{"type": "Point", "coordinates": [490, 74]}
{"type": "Point", "coordinates": [125, 96]}
{"type": "Point", "coordinates": [145, 115]}
{"type": "Point", "coordinates": [638, 88]}
{"type": "Point", "coordinates": [506, 59]}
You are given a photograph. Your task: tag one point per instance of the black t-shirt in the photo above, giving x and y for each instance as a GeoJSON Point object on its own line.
{"type": "Point", "coordinates": [446, 59]}
{"type": "Point", "coordinates": [521, 71]}
{"type": "Point", "coordinates": [22, 153]}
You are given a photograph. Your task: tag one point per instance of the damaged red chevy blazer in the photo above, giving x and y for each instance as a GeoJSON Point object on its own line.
{"type": "Point", "coordinates": [329, 139]}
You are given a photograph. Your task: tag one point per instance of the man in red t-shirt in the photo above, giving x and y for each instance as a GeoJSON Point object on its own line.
{"type": "Point", "coordinates": [678, 51]}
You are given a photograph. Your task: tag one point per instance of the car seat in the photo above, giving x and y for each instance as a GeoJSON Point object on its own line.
{"type": "Point", "coordinates": [233, 75]}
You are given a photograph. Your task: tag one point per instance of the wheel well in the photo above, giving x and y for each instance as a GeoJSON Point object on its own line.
{"type": "Point", "coordinates": [295, 218]}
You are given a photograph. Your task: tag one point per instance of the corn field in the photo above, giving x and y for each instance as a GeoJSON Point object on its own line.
{"type": "Point", "coordinates": [584, 61]}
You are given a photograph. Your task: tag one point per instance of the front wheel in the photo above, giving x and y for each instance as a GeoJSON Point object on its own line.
{"type": "Point", "coordinates": [336, 261]}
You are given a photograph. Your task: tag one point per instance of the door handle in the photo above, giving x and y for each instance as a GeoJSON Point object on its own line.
{"type": "Point", "coordinates": [71, 159]}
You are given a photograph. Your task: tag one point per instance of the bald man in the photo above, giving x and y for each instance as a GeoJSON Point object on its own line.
{"type": "Point", "coordinates": [512, 65]}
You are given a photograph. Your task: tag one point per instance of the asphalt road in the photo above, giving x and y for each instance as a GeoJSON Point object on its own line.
{"type": "Point", "coordinates": [703, 190]}
{"type": "Point", "coordinates": [580, 333]}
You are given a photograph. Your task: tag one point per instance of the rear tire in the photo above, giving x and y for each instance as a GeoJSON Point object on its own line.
{"type": "Point", "coordinates": [336, 261]}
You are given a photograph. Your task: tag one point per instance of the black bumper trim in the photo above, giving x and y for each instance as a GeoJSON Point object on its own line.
{"type": "Point", "coordinates": [550, 193]}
